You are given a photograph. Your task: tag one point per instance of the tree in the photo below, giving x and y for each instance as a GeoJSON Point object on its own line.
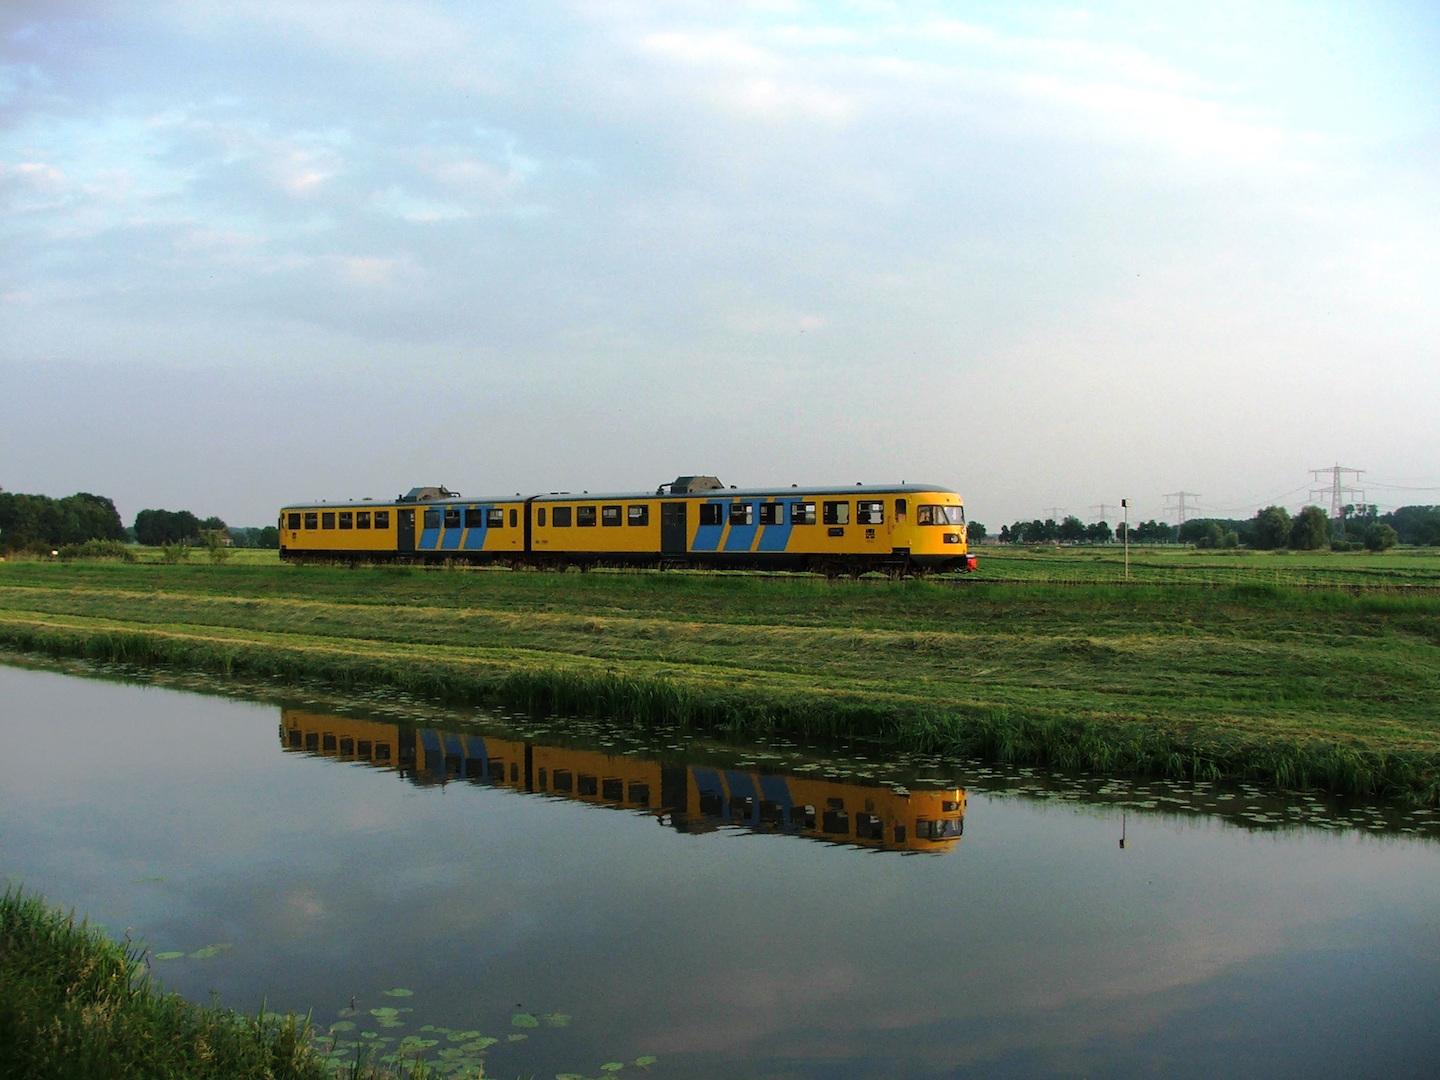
{"type": "Point", "coordinates": [1212, 537]}
{"type": "Point", "coordinates": [1005, 537]}
{"type": "Point", "coordinates": [1099, 533]}
{"type": "Point", "coordinates": [1071, 530]}
{"type": "Point", "coordinates": [157, 527]}
{"type": "Point", "coordinates": [975, 531]}
{"type": "Point", "coordinates": [1310, 530]}
{"type": "Point", "coordinates": [1271, 528]}
{"type": "Point", "coordinates": [269, 538]}
{"type": "Point", "coordinates": [1380, 537]}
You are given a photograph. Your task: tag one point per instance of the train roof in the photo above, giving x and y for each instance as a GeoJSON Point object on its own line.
{"type": "Point", "coordinates": [793, 491]}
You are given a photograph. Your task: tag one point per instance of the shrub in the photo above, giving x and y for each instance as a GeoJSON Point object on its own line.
{"type": "Point", "coordinates": [98, 549]}
{"type": "Point", "coordinates": [1380, 537]}
{"type": "Point", "coordinates": [177, 552]}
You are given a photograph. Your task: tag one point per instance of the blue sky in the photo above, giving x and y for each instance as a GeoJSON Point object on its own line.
{"type": "Point", "coordinates": [1045, 254]}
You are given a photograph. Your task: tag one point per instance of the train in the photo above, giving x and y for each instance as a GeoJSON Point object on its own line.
{"type": "Point", "coordinates": [687, 797]}
{"type": "Point", "coordinates": [692, 522]}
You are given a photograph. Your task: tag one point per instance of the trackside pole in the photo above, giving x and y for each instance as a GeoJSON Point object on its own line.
{"type": "Point", "coordinates": [1125, 505]}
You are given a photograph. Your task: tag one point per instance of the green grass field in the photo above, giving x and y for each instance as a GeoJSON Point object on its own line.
{"type": "Point", "coordinates": [1185, 674]}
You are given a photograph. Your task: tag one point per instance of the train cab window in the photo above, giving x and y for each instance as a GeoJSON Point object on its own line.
{"type": "Point", "coordinates": [312, 521]}
{"type": "Point", "coordinates": [802, 513]}
{"type": "Point", "coordinates": [925, 515]}
{"type": "Point", "coordinates": [382, 519]}
{"type": "Point", "coordinates": [940, 515]}
{"type": "Point", "coordinates": [452, 517]}
{"type": "Point", "coordinates": [609, 515]}
{"type": "Point", "coordinates": [564, 780]}
{"type": "Point", "coordinates": [742, 513]}
{"type": "Point", "coordinates": [711, 514]}
{"type": "Point", "coordinates": [637, 515]}
{"type": "Point", "coordinates": [327, 520]}
{"type": "Point", "coordinates": [540, 516]}
{"type": "Point", "coordinates": [870, 513]}
{"type": "Point", "coordinates": [292, 521]}
{"type": "Point", "coordinates": [585, 517]}
{"type": "Point", "coordinates": [495, 517]}
{"type": "Point", "coordinates": [562, 517]}
{"type": "Point", "coordinates": [514, 518]}
{"type": "Point", "coordinates": [770, 513]}
{"type": "Point", "coordinates": [474, 517]}
{"type": "Point", "coordinates": [362, 519]}
{"type": "Point", "coordinates": [837, 513]}
{"type": "Point", "coordinates": [347, 519]}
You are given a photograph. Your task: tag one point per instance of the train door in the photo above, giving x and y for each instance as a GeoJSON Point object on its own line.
{"type": "Point", "coordinates": [674, 528]}
{"type": "Point", "coordinates": [407, 530]}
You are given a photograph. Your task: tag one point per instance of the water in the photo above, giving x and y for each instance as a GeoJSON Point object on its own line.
{"type": "Point", "coordinates": [721, 930]}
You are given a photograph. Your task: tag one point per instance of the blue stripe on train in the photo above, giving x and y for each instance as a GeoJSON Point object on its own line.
{"type": "Point", "coordinates": [434, 757]}
{"type": "Point", "coordinates": [707, 537]}
{"type": "Point", "coordinates": [742, 786]}
{"type": "Point", "coordinates": [777, 537]}
{"type": "Point", "coordinates": [707, 782]}
{"type": "Point", "coordinates": [740, 537]}
{"type": "Point", "coordinates": [475, 535]}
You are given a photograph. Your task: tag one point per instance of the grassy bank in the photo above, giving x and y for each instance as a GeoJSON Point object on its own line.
{"type": "Point", "coordinates": [1298, 687]}
{"type": "Point", "coordinates": [74, 1003]}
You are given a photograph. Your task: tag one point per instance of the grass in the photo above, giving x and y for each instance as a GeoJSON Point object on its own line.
{"type": "Point", "coordinates": [1335, 688]}
{"type": "Point", "coordinates": [74, 1003]}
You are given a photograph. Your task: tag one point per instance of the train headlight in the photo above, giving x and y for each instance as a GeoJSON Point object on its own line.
{"type": "Point", "coordinates": [952, 538]}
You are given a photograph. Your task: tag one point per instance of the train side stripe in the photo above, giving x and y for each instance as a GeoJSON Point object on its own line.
{"type": "Point", "coordinates": [707, 537]}
{"type": "Point", "coordinates": [742, 786]}
{"type": "Point", "coordinates": [434, 757]}
{"type": "Point", "coordinates": [742, 537]}
{"type": "Point", "coordinates": [475, 536]}
{"type": "Point", "coordinates": [777, 537]}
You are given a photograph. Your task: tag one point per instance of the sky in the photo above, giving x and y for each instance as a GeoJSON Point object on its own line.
{"type": "Point", "coordinates": [1048, 255]}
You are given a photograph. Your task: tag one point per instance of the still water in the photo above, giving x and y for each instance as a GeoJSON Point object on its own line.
{"type": "Point", "coordinates": [556, 898]}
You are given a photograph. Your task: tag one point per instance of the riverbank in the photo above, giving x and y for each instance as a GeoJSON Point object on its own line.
{"type": "Point", "coordinates": [1297, 687]}
{"type": "Point", "coordinates": [74, 1003]}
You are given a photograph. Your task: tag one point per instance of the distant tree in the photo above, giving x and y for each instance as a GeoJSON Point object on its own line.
{"type": "Point", "coordinates": [1071, 530]}
{"type": "Point", "coordinates": [1212, 537]}
{"type": "Point", "coordinates": [1153, 532]}
{"type": "Point", "coordinates": [1415, 524]}
{"type": "Point", "coordinates": [974, 531]}
{"type": "Point", "coordinates": [40, 521]}
{"type": "Point", "coordinates": [1271, 528]}
{"type": "Point", "coordinates": [158, 527]}
{"type": "Point", "coordinates": [1310, 531]}
{"type": "Point", "coordinates": [1098, 533]}
{"type": "Point", "coordinates": [1122, 530]}
{"type": "Point", "coordinates": [270, 538]}
{"type": "Point", "coordinates": [213, 524]}
{"type": "Point", "coordinates": [1380, 537]}
{"type": "Point", "coordinates": [1005, 537]}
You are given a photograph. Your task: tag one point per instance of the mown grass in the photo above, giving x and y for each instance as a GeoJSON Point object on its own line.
{"type": "Point", "coordinates": [76, 1004]}
{"type": "Point", "coordinates": [1325, 688]}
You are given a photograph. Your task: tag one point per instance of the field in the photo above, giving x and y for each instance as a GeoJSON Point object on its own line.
{"type": "Point", "coordinates": [1319, 671]}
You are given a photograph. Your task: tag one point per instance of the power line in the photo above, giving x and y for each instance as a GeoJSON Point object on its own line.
{"type": "Point", "coordinates": [1053, 513]}
{"type": "Point", "coordinates": [1338, 490]}
{"type": "Point", "coordinates": [1181, 496]}
{"type": "Point", "coordinates": [1104, 509]}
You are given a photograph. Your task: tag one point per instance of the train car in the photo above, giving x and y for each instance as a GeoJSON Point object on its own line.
{"type": "Point", "coordinates": [694, 521]}
{"type": "Point", "coordinates": [689, 798]}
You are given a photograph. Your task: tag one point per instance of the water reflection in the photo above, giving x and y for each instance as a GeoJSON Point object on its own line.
{"type": "Point", "coordinates": [685, 796]}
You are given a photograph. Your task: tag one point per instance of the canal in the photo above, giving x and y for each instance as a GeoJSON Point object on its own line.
{"type": "Point", "coordinates": [555, 897]}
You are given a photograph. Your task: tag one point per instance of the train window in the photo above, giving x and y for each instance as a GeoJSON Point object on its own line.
{"type": "Point", "coordinates": [514, 518]}
{"type": "Point", "coordinates": [312, 521]}
{"type": "Point", "coordinates": [835, 823]}
{"type": "Point", "coordinates": [292, 521]}
{"type": "Point", "coordinates": [870, 513]}
{"type": "Point", "coordinates": [382, 751]}
{"type": "Point", "coordinates": [710, 514]}
{"type": "Point", "coordinates": [562, 517]}
{"type": "Point", "coordinates": [347, 519]}
{"type": "Point", "coordinates": [899, 834]}
{"type": "Point", "coordinates": [327, 743]}
{"type": "Point", "coordinates": [543, 777]}
{"type": "Point", "coordinates": [327, 520]}
{"type": "Point", "coordinates": [514, 773]}
{"type": "Point", "coordinates": [585, 516]}
{"type": "Point", "coordinates": [495, 517]}
{"type": "Point", "coordinates": [742, 513]}
{"type": "Point", "coordinates": [540, 515]}
{"type": "Point", "coordinates": [362, 519]}
{"type": "Point", "coordinates": [382, 519]}
{"type": "Point", "coordinates": [612, 789]}
{"type": "Point", "coordinates": [639, 793]}
{"type": "Point", "coordinates": [770, 513]}
{"type": "Point", "coordinates": [347, 745]}
{"type": "Point", "coordinates": [474, 517]}
{"type": "Point", "coordinates": [587, 785]}
{"type": "Point", "coordinates": [869, 827]}
{"type": "Point", "coordinates": [432, 518]}
{"type": "Point", "coordinates": [940, 515]}
{"type": "Point", "coordinates": [802, 513]}
{"type": "Point", "coordinates": [899, 509]}
{"type": "Point", "coordinates": [609, 515]}
{"type": "Point", "coordinates": [637, 515]}
{"type": "Point", "coordinates": [803, 816]}
{"type": "Point", "coordinates": [452, 517]}
{"type": "Point", "coordinates": [564, 780]}
{"type": "Point", "coordinates": [837, 513]}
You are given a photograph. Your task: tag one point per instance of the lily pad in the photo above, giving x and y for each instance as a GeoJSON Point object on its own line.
{"type": "Point", "coordinates": [385, 1011]}
{"type": "Point", "coordinates": [556, 1019]}
{"type": "Point", "coordinates": [462, 1036]}
{"type": "Point", "coordinates": [516, 1038]}
{"type": "Point", "coordinates": [343, 1025]}
{"type": "Point", "coordinates": [524, 1020]}
{"type": "Point", "coordinates": [398, 991]}
{"type": "Point", "coordinates": [475, 1046]}
{"type": "Point", "coordinates": [209, 950]}
{"type": "Point", "coordinates": [646, 1060]}
{"type": "Point", "coordinates": [612, 1066]}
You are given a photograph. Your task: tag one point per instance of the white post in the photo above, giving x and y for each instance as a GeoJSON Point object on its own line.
{"type": "Point", "coordinates": [1125, 505]}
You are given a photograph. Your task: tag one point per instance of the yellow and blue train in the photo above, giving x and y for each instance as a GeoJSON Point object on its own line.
{"type": "Point", "coordinates": [695, 521]}
{"type": "Point", "coordinates": [687, 797]}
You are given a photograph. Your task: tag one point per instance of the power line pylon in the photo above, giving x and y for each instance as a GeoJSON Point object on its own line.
{"type": "Point", "coordinates": [1053, 513]}
{"type": "Point", "coordinates": [1180, 508]}
{"type": "Point", "coordinates": [1104, 509]}
{"type": "Point", "coordinates": [1337, 490]}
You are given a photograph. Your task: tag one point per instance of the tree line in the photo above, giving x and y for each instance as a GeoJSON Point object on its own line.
{"type": "Point", "coordinates": [1271, 528]}
{"type": "Point", "coordinates": [39, 522]}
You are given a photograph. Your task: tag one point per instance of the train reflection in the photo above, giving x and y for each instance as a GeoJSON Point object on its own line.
{"type": "Point", "coordinates": [691, 798]}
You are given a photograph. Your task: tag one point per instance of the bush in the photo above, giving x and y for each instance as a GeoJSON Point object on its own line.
{"type": "Point", "coordinates": [98, 549]}
{"type": "Point", "coordinates": [1345, 545]}
{"type": "Point", "coordinates": [1380, 537]}
{"type": "Point", "coordinates": [177, 552]}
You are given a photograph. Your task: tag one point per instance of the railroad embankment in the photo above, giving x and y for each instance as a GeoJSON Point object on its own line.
{"type": "Point", "coordinates": [1336, 689]}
